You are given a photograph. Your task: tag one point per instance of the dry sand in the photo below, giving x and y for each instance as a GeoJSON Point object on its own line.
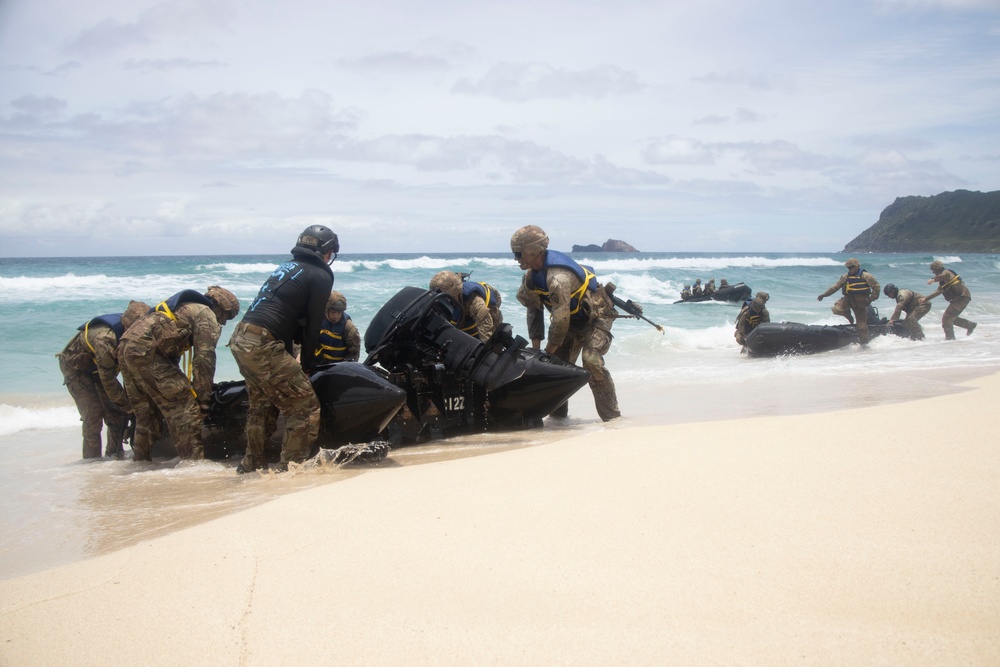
{"type": "Point", "coordinates": [773, 540]}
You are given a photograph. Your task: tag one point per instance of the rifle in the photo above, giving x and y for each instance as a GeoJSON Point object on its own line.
{"type": "Point", "coordinates": [633, 309]}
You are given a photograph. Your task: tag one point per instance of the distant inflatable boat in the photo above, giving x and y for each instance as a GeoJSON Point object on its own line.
{"type": "Point", "coordinates": [772, 339]}
{"type": "Point", "coordinates": [731, 293]}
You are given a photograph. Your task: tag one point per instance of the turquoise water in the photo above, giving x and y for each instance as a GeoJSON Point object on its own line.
{"type": "Point", "coordinates": [42, 301]}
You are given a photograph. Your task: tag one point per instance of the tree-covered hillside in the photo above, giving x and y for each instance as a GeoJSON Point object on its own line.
{"type": "Point", "coordinates": [959, 221]}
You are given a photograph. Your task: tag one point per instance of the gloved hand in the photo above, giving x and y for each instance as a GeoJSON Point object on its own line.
{"type": "Point", "coordinates": [819, 298]}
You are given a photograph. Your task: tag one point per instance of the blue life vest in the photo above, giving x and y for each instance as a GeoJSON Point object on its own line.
{"type": "Point", "coordinates": [114, 321]}
{"type": "Point", "coordinates": [331, 340]}
{"type": "Point", "coordinates": [584, 273]}
{"type": "Point", "coordinates": [857, 284]}
{"type": "Point", "coordinates": [462, 319]}
{"type": "Point", "coordinates": [177, 300]}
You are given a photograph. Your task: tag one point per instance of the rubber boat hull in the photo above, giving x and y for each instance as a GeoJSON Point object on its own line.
{"type": "Point", "coordinates": [779, 338]}
{"type": "Point", "coordinates": [356, 405]}
{"type": "Point", "coordinates": [737, 293]}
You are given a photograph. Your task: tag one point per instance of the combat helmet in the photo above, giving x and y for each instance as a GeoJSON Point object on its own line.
{"type": "Point", "coordinates": [227, 303]}
{"type": "Point", "coordinates": [852, 263]}
{"type": "Point", "coordinates": [937, 266]}
{"type": "Point", "coordinates": [133, 313]}
{"type": "Point", "coordinates": [890, 290]}
{"type": "Point", "coordinates": [759, 300]}
{"type": "Point", "coordinates": [337, 302]}
{"type": "Point", "coordinates": [448, 282]}
{"type": "Point", "coordinates": [318, 240]}
{"type": "Point", "coordinates": [528, 242]}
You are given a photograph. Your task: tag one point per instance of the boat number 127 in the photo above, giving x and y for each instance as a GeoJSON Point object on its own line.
{"type": "Point", "coordinates": [452, 403]}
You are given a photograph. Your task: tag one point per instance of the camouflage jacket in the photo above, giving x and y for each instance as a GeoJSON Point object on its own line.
{"type": "Point", "coordinates": [561, 283]}
{"type": "Point", "coordinates": [951, 285]}
{"type": "Point", "coordinates": [102, 360]}
{"type": "Point", "coordinates": [906, 301]}
{"type": "Point", "coordinates": [195, 327]}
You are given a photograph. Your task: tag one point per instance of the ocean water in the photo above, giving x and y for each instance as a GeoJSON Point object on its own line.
{"type": "Point", "coordinates": [55, 508]}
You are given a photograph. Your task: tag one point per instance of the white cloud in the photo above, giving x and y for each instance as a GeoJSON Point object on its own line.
{"type": "Point", "coordinates": [520, 82]}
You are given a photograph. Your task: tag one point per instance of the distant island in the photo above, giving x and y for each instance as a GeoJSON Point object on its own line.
{"type": "Point", "coordinates": [958, 221]}
{"type": "Point", "coordinates": [611, 245]}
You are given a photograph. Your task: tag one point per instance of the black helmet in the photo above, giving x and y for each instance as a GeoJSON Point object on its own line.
{"type": "Point", "coordinates": [890, 290]}
{"type": "Point", "coordinates": [319, 239]}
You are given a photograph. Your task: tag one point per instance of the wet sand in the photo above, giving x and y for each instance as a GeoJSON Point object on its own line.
{"type": "Point", "coordinates": [775, 539]}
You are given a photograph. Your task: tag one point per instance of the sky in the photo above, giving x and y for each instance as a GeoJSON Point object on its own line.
{"type": "Point", "coordinates": [226, 127]}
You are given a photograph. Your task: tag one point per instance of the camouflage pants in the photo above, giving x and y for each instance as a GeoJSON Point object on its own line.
{"type": "Point", "coordinates": [275, 383]}
{"type": "Point", "coordinates": [951, 316]}
{"type": "Point", "coordinates": [159, 390]}
{"type": "Point", "coordinates": [95, 409]}
{"type": "Point", "coordinates": [912, 321]}
{"type": "Point", "coordinates": [592, 340]}
{"type": "Point", "coordinates": [855, 309]}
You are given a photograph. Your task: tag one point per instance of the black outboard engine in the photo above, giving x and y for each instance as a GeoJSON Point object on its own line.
{"type": "Point", "coordinates": [455, 381]}
{"type": "Point", "coordinates": [414, 326]}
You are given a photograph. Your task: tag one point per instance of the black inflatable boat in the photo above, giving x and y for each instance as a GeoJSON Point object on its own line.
{"type": "Point", "coordinates": [423, 379]}
{"type": "Point", "coordinates": [731, 293]}
{"type": "Point", "coordinates": [776, 338]}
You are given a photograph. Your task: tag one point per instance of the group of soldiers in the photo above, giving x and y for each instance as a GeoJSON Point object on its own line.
{"type": "Point", "coordinates": [166, 353]}
{"type": "Point", "coordinates": [859, 289]}
{"type": "Point", "coordinates": [698, 290]}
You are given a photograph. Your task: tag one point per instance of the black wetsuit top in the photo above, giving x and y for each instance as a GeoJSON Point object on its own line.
{"type": "Point", "coordinates": [291, 303]}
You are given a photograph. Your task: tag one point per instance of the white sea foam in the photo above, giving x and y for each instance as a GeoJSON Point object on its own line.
{"type": "Point", "coordinates": [702, 263]}
{"type": "Point", "coordinates": [14, 418]}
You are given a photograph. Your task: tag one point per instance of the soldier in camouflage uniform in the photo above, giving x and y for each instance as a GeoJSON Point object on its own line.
{"type": "Point", "coordinates": [911, 303]}
{"type": "Point", "coordinates": [290, 306]}
{"type": "Point", "coordinates": [89, 364]}
{"type": "Point", "coordinates": [956, 294]}
{"type": "Point", "coordinates": [188, 322]}
{"type": "Point", "coordinates": [477, 310]}
{"type": "Point", "coordinates": [580, 312]}
{"type": "Point", "coordinates": [860, 289]}
{"type": "Point", "coordinates": [339, 338]}
{"type": "Point", "coordinates": [751, 315]}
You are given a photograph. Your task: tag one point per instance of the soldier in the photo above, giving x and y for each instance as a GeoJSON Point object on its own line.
{"type": "Point", "coordinates": [89, 364]}
{"type": "Point", "coordinates": [290, 306]}
{"type": "Point", "coordinates": [956, 294]}
{"type": "Point", "coordinates": [751, 315]}
{"type": "Point", "coordinates": [710, 287]}
{"type": "Point", "coordinates": [723, 283]}
{"type": "Point", "coordinates": [697, 290]}
{"type": "Point", "coordinates": [860, 289]}
{"type": "Point", "coordinates": [911, 303]}
{"type": "Point", "coordinates": [188, 322]}
{"type": "Point", "coordinates": [686, 292]}
{"type": "Point", "coordinates": [580, 312]}
{"type": "Point", "coordinates": [477, 309]}
{"type": "Point", "coordinates": [339, 339]}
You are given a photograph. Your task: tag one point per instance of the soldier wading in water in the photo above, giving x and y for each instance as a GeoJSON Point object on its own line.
{"type": "Point", "coordinates": [290, 307]}
{"type": "Point", "coordinates": [580, 312]}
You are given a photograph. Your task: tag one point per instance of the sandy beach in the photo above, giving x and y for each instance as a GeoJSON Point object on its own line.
{"type": "Point", "coordinates": [766, 540]}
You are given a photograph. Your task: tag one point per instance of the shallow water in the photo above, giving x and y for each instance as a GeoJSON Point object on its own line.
{"type": "Point", "coordinates": [58, 508]}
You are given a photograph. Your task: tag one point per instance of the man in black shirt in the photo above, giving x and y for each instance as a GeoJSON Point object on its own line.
{"type": "Point", "coordinates": [289, 308]}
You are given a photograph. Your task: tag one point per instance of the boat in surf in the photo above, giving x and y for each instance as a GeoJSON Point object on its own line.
{"type": "Point", "coordinates": [423, 379]}
{"type": "Point", "coordinates": [772, 339]}
{"type": "Point", "coordinates": [736, 293]}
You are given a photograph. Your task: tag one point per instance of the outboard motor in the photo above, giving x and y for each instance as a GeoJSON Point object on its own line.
{"type": "Point", "coordinates": [455, 381]}
{"type": "Point", "coordinates": [415, 325]}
